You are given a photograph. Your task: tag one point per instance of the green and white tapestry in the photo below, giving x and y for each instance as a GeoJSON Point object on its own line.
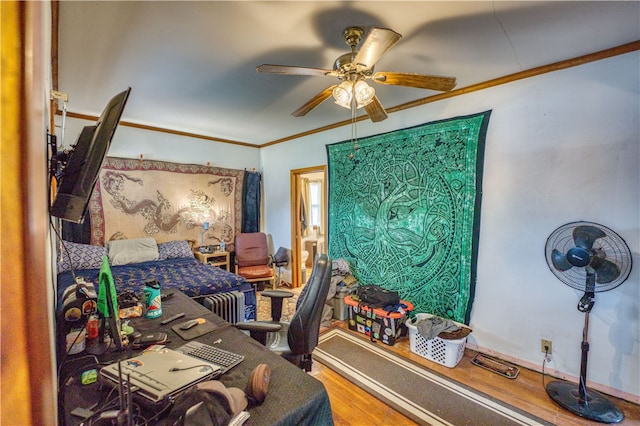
{"type": "Point", "coordinates": [404, 211]}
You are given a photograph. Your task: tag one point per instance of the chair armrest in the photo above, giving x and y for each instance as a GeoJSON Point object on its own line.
{"type": "Point", "coordinates": [269, 327]}
{"type": "Point", "coordinates": [277, 294]}
{"type": "Point", "coordinates": [258, 329]}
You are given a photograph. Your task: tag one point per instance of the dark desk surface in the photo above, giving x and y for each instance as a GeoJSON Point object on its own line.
{"type": "Point", "coordinates": [294, 397]}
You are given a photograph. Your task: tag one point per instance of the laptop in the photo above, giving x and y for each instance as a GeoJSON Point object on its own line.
{"type": "Point", "coordinates": [159, 374]}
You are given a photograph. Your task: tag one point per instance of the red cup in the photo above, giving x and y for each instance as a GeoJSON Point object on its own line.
{"type": "Point", "coordinates": [93, 326]}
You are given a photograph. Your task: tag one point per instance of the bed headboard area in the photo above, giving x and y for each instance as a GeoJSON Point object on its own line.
{"type": "Point", "coordinates": [166, 201]}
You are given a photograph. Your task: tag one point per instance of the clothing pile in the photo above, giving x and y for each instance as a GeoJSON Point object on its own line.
{"type": "Point", "coordinates": [432, 327]}
{"type": "Point", "coordinates": [340, 275]}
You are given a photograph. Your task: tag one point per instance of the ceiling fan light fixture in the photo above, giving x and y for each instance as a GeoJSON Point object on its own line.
{"type": "Point", "coordinates": [342, 94]}
{"type": "Point", "coordinates": [364, 93]}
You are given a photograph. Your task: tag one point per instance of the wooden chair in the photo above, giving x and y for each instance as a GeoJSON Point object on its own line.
{"type": "Point", "coordinates": [252, 259]}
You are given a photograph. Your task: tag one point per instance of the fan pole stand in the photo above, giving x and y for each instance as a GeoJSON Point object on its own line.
{"type": "Point", "coordinates": [578, 399]}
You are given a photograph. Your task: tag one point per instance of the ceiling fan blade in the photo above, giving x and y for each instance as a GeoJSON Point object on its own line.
{"type": "Point", "coordinates": [421, 81]}
{"type": "Point", "coordinates": [293, 70]}
{"type": "Point", "coordinates": [606, 271]}
{"type": "Point", "coordinates": [314, 102]}
{"type": "Point", "coordinates": [560, 261]}
{"type": "Point", "coordinates": [377, 42]}
{"type": "Point", "coordinates": [375, 110]}
{"type": "Point", "coordinates": [585, 235]}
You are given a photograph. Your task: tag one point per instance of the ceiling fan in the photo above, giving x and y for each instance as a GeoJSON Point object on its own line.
{"type": "Point", "coordinates": [357, 66]}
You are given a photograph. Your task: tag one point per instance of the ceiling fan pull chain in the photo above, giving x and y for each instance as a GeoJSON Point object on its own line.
{"type": "Point", "coordinates": [354, 129]}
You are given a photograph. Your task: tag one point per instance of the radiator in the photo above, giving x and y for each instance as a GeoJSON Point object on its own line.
{"type": "Point", "coordinates": [229, 306]}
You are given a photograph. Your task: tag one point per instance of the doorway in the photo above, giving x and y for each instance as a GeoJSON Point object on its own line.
{"type": "Point", "coordinates": [308, 220]}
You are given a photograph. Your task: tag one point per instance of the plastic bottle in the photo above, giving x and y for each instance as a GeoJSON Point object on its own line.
{"type": "Point", "coordinates": [153, 299]}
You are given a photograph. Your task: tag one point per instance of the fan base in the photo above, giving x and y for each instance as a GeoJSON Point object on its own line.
{"type": "Point", "coordinates": [596, 407]}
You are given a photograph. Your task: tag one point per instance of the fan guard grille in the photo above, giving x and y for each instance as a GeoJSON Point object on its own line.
{"type": "Point", "coordinates": [612, 245]}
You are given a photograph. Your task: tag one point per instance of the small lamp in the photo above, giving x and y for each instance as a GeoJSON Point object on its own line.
{"type": "Point", "coordinates": [205, 226]}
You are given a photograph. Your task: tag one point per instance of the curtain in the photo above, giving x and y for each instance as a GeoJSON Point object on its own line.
{"type": "Point", "coordinates": [303, 216]}
{"type": "Point", "coordinates": [251, 202]}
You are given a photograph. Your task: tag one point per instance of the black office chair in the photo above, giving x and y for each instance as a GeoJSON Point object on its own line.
{"type": "Point", "coordinates": [296, 340]}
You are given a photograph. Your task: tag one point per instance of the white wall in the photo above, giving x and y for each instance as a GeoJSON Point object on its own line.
{"type": "Point", "coordinates": [561, 147]}
{"type": "Point", "coordinates": [130, 142]}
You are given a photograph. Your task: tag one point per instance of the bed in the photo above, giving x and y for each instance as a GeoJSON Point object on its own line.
{"type": "Point", "coordinates": [134, 261]}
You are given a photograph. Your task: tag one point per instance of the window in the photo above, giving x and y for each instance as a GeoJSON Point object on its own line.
{"type": "Point", "coordinates": [315, 204]}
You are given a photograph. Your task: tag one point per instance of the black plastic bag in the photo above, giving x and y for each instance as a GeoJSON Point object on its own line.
{"type": "Point", "coordinates": [375, 296]}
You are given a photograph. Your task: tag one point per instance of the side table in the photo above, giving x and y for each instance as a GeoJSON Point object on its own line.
{"type": "Point", "coordinates": [217, 258]}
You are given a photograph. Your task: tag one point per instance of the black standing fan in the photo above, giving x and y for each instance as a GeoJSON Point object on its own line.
{"type": "Point", "coordinates": [591, 258]}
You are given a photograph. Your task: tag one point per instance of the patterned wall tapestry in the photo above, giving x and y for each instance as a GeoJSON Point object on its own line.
{"type": "Point", "coordinates": [167, 201]}
{"type": "Point", "coordinates": [404, 211]}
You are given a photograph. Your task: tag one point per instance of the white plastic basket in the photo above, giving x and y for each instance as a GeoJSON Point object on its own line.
{"type": "Point", "coordinates": [443, 351]}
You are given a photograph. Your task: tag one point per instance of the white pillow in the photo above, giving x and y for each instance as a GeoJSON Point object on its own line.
{"type": "Point", "coordinates": [136, 250]}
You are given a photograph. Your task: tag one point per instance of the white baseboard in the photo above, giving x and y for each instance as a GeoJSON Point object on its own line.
{"type": "Point", "coordinates": [556, 374]}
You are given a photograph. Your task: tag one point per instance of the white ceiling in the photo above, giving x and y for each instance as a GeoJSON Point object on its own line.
{"type": "Point", "coordinates": [191, 65]}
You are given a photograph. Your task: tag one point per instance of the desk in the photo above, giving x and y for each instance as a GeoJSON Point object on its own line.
{"type": "Point", "coordinates": [294, 397]}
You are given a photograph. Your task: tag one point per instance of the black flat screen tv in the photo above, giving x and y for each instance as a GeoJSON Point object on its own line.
{"type": "Point", "coordinates": [77, 179]}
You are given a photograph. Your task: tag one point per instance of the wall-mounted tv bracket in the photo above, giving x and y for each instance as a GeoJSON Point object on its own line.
{"type": "Point", "coordinates": [64, 97]}
{"type": "Point", "coordinates": [58, 158]}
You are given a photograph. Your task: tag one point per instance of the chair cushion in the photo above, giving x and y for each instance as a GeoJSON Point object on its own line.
{"type": "Point", "coordinates": [251, 249]}
{"type": "Point", "coordinates": [278, 341]}
{"type": "Point", "coordinates": [260, 271]}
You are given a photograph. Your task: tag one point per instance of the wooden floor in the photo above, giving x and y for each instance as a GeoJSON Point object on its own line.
{"type": "Point", "coordinates": [353, 406]}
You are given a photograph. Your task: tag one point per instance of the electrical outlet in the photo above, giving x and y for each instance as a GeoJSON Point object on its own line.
{"type": "Point", "coordinates": [545, 346]}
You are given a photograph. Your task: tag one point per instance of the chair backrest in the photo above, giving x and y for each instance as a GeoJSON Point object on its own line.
{"type": "Point", "coordinates": [252, 249]}
{"type": "Point", "coordinates": [304, 328]}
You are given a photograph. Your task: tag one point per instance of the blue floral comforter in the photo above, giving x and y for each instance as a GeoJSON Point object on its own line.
{"type": "Point", "coordinates": [188, 275]}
